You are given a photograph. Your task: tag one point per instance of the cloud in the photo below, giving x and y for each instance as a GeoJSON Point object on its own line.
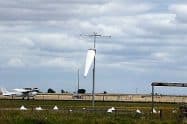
{"type": "Point", "coordinates": [180, 10]}
{"type": "Point", "coordinates": [62, 10]}
{"type": "Point", "coordinates": [26, 42]}
{"type": "Point", "coordinates": [57, 62]}
{"type": "Point", "coordinates": [15, 62]}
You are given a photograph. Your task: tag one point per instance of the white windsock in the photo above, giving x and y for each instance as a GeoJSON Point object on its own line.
{"type": "Point", "coordinates": [89, 60]}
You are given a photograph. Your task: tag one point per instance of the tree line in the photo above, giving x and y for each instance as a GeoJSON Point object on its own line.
{"type": "Point", "coordinates": [81, 91]}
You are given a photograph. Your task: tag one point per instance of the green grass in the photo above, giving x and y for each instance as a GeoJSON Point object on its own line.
{"type": "Point", "coordinates": [125, 113]}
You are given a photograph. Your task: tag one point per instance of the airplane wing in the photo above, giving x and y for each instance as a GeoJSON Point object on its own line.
{"type": "Point", "coordinates": [22, 90]}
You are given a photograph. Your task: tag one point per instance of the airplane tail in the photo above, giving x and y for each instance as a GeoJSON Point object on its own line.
{"type": "Point", "coordinates": [4, 91]}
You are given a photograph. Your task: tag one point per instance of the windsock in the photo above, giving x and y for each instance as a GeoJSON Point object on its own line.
{"type": "Point", "coordinates": [89, 60]}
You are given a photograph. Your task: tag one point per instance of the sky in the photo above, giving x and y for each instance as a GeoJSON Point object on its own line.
{"type": "Point", "coordinates": [42, 44]}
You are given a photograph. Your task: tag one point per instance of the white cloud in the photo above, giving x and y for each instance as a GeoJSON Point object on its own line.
{"type": "Point", "coordinates": [26, 42]}
{"type": "Point", "coordinates": [15, 62]}
{"type": "Point", "coordinates": [58, 42]}
{"type": "Point", "coordinates": [181, 12]}
{"type": "Point", "coordinates": [125, 8]}
{"type": "Point", "coordinates": [58, 62]}
{"type": "Point", "coordinates": [160, 56]}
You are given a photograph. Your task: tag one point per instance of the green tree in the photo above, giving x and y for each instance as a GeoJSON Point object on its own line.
{"type": "Point", "coordinates": [51, 91]}
{"type": "Point", "coordinates": [82, 91]}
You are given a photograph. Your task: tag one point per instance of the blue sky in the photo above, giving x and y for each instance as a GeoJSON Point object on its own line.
{"type": "Point", "coordinates": [41, 46]}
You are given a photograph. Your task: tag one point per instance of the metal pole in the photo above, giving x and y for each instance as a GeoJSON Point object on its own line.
{"type": "Point", "coordinates": [78, 81]}
{"type": "Point", "coordinates": [95, 34]}
{"type": "Point", "coordinates": [93, 89]}
{"type": "Point", "coordinates": [152, 99]}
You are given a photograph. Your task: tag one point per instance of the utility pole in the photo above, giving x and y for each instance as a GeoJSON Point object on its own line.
{"type": "Point", "coordinates": [78, 81]}
{"type": "Point", "coordinates": [95, 36]}
{"type": "Point", "coordinates": [152, 99]}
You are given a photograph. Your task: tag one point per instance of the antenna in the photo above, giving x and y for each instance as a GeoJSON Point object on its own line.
{"type": "Point", "coordinates": [95, 36]}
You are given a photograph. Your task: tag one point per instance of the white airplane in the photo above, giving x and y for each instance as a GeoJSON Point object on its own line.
{"type": "Point", "coordinates": [23, 92]}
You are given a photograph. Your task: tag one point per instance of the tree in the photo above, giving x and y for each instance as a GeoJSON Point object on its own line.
{"type": "Point", "coordinates": [81, 91]}
{"type": "Point", "coordinates": [50, 90]}
{"type": "Point", "coordinates": [63, 91]}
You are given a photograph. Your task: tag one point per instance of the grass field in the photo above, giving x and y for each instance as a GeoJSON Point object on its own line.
{"type": "Point", "coordinates": [125, 113]}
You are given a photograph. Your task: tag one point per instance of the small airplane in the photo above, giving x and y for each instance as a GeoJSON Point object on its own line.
{"type": "Point", "coordinates": [23, 92]}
